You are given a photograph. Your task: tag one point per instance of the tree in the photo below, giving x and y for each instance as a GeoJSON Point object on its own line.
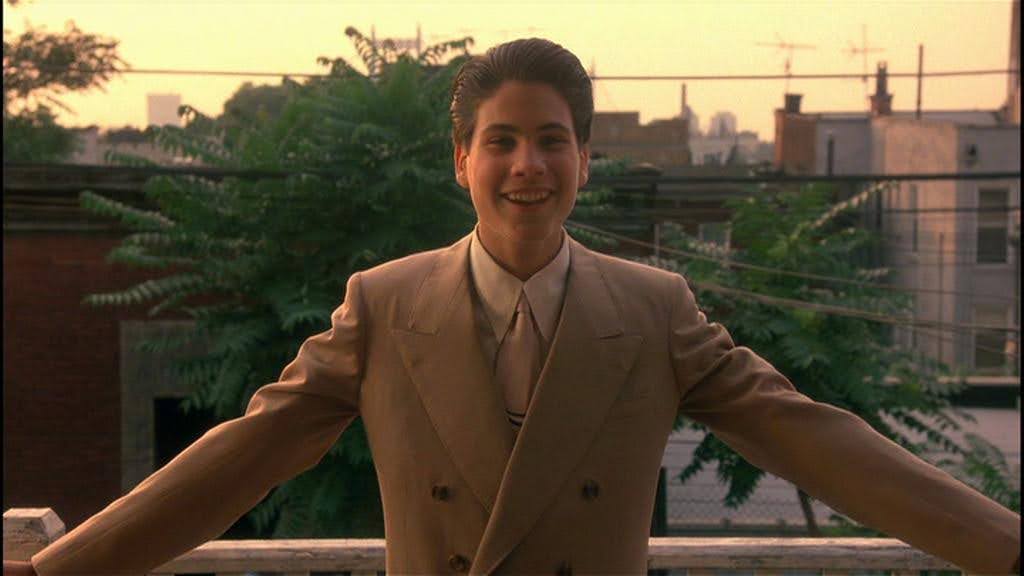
{"type": "Point", "coordinates": [259, 264]}
{"type": "Point", "coordinates": [39, 67]}
{"type": "Point", "coordinates": [250, 104]}
{"type": "Point", "coordinates": [846, 361]}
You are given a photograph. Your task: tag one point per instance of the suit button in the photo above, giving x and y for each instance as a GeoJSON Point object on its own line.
{"type": "Point", "coordinates": [458, 562]}
{"type": "Point", "coordinates": [441, 492]}
{"type": "Point", "coordinates": [591, 490]}
{"type": "Point", "coordinates": [564, 569]}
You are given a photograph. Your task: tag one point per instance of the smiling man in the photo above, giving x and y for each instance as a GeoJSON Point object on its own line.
{"type": "Point", "coordinates": [522, 171]}
{"type": "Point", "coordinates": [518, 389]}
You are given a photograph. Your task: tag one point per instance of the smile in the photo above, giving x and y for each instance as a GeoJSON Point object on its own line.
{"type": "Point", "coordinates": [527, 196]}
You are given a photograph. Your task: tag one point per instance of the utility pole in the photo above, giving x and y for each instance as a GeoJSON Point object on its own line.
{"type": "Point", "coordinates": [920, 74]}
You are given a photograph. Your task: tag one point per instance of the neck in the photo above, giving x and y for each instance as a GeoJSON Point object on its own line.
{"type": "Point", "coordinates": [520, 258]}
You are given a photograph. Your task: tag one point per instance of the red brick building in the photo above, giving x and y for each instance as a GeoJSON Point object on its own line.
{"type": "Point", "coordinates": [61, 375]}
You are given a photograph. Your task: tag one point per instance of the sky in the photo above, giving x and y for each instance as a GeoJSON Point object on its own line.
{"type": "Point", "coordinates": [615, 38]}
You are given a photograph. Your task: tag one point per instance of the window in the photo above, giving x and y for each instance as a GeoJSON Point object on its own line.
{"type": "Point", "coordinates": [990, 346]}
{"type": "Point", "coordinates": [993, 240]}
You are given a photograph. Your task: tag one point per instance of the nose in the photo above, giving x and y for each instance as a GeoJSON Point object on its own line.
{"type": "Point", "coordinates": [529, 161]}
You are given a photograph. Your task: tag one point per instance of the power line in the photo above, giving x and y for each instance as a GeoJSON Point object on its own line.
{"type": "Point", "coordinates": [938, 336]}
{"type": "Point", "coordinates": [652, 215]}
{"type": "Point", "coordinates": [927, 214]}
{"type": "Point", "coordinates": [767, 269]}
{"type": "Point", "coordinates": [779, 177]}
{"type": "Point", "coordinates": [597, 78]}
{"type": "Point", "coordinates": [840, 76]}
{"type": "Point", "coordinates": [71, 206]}
{"type": "Point", "coordinates": [217, 173]}
{"type": "Point", "coordinates": [682, 198]}
{"type": "Point", "coordinates": [849, 312]}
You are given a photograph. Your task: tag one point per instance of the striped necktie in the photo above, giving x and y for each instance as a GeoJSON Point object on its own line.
{"type": "Point", "coordinates": [517, 365]}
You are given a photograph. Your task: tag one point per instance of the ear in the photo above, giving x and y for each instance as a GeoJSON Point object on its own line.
{"type": "Point", "coordinates": [460, 158]}
{"type": "Point", "coordinates": [584, 172]}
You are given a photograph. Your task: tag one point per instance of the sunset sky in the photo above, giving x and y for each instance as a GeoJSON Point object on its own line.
{"type": "Point", "coordinates": [619, 38]}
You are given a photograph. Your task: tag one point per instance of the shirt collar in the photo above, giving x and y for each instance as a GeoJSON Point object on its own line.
{"type": "Point", "coordinates": [499, 289]}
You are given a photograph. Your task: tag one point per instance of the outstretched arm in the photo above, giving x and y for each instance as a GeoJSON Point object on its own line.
{"type": "Point", "coordinates": [830, 453]}
{"type": "Point", "coordinates": [287, 428]}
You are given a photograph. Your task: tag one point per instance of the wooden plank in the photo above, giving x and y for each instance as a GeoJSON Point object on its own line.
{"type": "Point", "coordinates": [319, 555]}
{"type": "Point", "coordinates": [835, 554]}
{"type": "Point", "coordinates": [29, 530]}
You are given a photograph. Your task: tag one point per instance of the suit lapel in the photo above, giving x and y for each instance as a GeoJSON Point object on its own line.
{"type": "Point", "coordinates": [442, 354]}
{"type": "Point", "coordinates": [586, 368]}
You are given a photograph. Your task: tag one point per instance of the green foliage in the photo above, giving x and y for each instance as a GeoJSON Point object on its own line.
{"type": "Point", "coordinates": [256, 103]}
{"type": "Point", "coordinates": [985, 468]}
{"type": "Point", "coordinates": [260, 264]}
{"type": "Point", "coordinates": [39, 67]}
{"type": "Point", "coordinates": [595, 204]}
{"type": "Point", "coordinates": [35, 136]}
{"type": "Point", "coordinates": [839, 360]}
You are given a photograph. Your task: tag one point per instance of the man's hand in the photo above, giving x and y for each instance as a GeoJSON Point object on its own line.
{"type": "Point", "coordinates": [12, 568]}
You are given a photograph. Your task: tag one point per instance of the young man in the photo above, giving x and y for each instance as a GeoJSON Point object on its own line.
{"type": "Point", "coordinates": [518, 389]}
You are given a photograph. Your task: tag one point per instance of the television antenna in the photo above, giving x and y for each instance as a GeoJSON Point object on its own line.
{"type": "Point", "coordinates": [788, 48]}
{"type": "Point", "coordinates": [504, 33]}
{"type": "Point", "coordinates": [411, 43]}
{"type": "Point", "coordinates": [863, 50]}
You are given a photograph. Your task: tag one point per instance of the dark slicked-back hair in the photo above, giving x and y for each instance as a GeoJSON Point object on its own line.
{"type": "Point", "coordinates": [533, 60]}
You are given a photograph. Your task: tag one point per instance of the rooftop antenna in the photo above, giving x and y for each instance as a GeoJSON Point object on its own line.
{"type": "Point", "coordinates": [788, 48]}
{"type": "Point", "coordinates": [415, 43]}
{"type": "Point", "coordinates": [504, 33]}
{"type": "Point", "coordinates": [863, 50]}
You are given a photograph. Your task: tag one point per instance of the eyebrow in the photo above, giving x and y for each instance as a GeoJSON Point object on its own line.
{"type": "Point", "coordinates": [510, 128]}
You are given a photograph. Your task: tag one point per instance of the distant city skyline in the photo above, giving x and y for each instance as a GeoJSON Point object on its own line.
{"type": "Point", "coordinates": [693, 38]}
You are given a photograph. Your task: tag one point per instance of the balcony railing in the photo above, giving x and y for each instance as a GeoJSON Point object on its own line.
{"type": "Point", "coordinates": [28, 530]}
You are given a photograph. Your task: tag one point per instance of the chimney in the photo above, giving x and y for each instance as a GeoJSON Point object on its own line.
{"type": "Point", "coordinates": [881, 100]}
{"type": "Point", "coordinates": [793, 103]}
{"type": "Point", "coordinates": [683, 109]}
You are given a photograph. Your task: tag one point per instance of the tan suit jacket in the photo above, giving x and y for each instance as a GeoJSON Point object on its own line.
{"type": "Point", "coordinates": [577, 489]}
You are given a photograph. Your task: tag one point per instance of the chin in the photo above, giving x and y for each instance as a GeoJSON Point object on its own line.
{"type": "Point", "coordinates": [533, 233]}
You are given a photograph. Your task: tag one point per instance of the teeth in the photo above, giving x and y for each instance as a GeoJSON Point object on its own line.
{"type": "Point", "coordinates": [528, 197]}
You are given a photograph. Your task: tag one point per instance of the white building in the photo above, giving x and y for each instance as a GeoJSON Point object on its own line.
{"type": "Point", "coordinates": [712, 149]}
{"type": "Point", "coordinates": [722, 124]}
{"type": "Point", "coordinates": [162, 109]}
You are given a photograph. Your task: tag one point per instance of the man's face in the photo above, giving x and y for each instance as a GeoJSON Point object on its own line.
{"type": "Point", "coordinates": [523, 165]}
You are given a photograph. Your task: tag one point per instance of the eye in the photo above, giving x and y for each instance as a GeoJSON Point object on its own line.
{"type": "Point", "coordinates": [500, 142]}
{"type": "Point", "coordinates": [554, 141]}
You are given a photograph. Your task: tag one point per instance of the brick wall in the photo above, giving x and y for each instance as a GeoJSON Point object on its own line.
{"type": "Point", "coordinates": [61, 372]}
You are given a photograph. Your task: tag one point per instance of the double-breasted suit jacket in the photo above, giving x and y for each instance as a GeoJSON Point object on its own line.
{"type": "Point", "coordinates": [576, 489]}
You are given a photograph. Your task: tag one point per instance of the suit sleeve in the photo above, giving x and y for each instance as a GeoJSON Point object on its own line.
{"type": "Point", "coordinates": [287, 428]}
{"type": "Point", "coordinates": [830, 453]}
